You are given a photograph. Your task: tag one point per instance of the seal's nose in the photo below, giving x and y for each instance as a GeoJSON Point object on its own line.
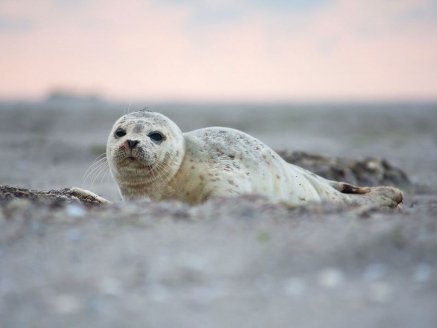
{"type": "Point", "coordinates": [132, 143]}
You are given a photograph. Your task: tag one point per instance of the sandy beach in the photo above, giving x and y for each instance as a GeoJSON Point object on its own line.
{"type": "Point", "coordinates": [228, 263]}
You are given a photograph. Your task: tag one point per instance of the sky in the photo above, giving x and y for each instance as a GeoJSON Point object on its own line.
{"type": "Point", "coordinates": [220, 50]}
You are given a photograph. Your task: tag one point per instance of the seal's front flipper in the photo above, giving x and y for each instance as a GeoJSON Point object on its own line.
{"type": "Point", "coordinates": [89, 194]}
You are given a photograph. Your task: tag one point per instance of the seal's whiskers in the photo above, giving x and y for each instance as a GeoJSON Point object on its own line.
{"type": "Point", "coordinates": [99, 159]}
{"type": "Point", "coordinates": [99, 166]}
{"type": "Point", "coordinates": [102, 168]}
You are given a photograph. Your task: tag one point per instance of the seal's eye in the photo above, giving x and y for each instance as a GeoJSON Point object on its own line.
{"type": "Point", "coordinates": [119, 133]}
{"type": "Point", "coordinates": [156, 137]}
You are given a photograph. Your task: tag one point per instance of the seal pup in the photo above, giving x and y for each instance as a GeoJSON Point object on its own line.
{"type": "Point", "coordinates": [150, 158]}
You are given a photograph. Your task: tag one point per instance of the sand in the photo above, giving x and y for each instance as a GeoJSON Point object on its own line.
{"type": "Point", "coordinates": [228, 263]}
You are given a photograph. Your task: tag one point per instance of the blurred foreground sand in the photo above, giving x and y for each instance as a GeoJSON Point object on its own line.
{"type": "Point", "coordinates": [228, 263]}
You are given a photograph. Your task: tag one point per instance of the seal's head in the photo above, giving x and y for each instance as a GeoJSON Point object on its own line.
{"type": "Point", "coordinates": [144, 151]}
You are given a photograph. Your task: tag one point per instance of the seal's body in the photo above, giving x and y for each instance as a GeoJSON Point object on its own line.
{"type": "Point", "coordinates": [149, 157]}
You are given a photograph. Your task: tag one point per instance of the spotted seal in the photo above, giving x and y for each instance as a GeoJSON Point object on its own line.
{"type": "Point", "coordinates": [150, 158]}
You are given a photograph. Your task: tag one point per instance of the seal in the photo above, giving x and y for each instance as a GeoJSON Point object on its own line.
{"type": "Point", "coordinates": [150, 158]}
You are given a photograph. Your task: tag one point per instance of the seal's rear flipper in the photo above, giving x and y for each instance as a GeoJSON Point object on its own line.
{"type": "Point", "coordinates": [380, 196]}
{"type": "Point", "coordinates": [386, 196]}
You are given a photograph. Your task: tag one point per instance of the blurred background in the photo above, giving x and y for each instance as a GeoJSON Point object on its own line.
{"type": "Point", "coordinates": [220, 50]}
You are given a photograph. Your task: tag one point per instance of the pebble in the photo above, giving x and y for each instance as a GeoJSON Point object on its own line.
{"type": "Point", "coordinates": [204, 295]}
{"type": "Point", "coordinates": [380, 292]}
{"type": "Point", "coordinates": [374, 272]}
{"type": "Point", "coordinates": [75, 235]}
{"type": "Point", "coordinates": [110, 286]}
{"type": "Point", "coordinates": [159, 293]}
{"type": "Point", "coordinates": [195, 262]}
{"type": "Point", "coordinates": [75, 210]}
{"type": "Point", "coordinates": [331, 278]}
{"type": "Point", "coordinates": [264, 284]}
{"type": "Point", "coordinates": [66, 304]}
{"type": "Point", "coordinates": [18, 204]}
{"type": "Point", "coordinates": [294, 287]}
{"type": "Point", "coordinates": [422, 272]}
{"type": "Point", "coordinates": [36, 227]}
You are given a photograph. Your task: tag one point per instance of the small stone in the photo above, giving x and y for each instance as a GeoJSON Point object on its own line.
{"type": "Point", "coordinates": [110, 286]}
{"type": "Point", "coordinates": [195, 263]}
{"type": "Point", "coordinates": [66, 304]}
{"type": "Point", "coordinates": [158, 293]}
{"type": "Point", "coordinates": [373, 272]}
{"type": "Point", "coordinates": [75, 210]}
{"type": "Point", "coordinates": [264, 283]}
{"type": "Point", "coordinates": [422, 272]}
{"type": "Point", "coordinates": [331, 278]}
{"type": "Point", "coordinates": [18, 204]}
{"type": "Point", "coordinates": [380, 292]}
{"type": "Point", "coordinates": [36, 227]}
{"type": "Point", "coordinates": [74, 235]}
{"type": "Point", "coordinates": [294, 287]}
{"type": "Point", "coordinates": [200, 296]}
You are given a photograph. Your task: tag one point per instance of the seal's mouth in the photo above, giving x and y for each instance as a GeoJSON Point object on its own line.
{"type": "Point", "coordinates": [132, 161]}
{"type": "Point", "coordinates": [128, 160]}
